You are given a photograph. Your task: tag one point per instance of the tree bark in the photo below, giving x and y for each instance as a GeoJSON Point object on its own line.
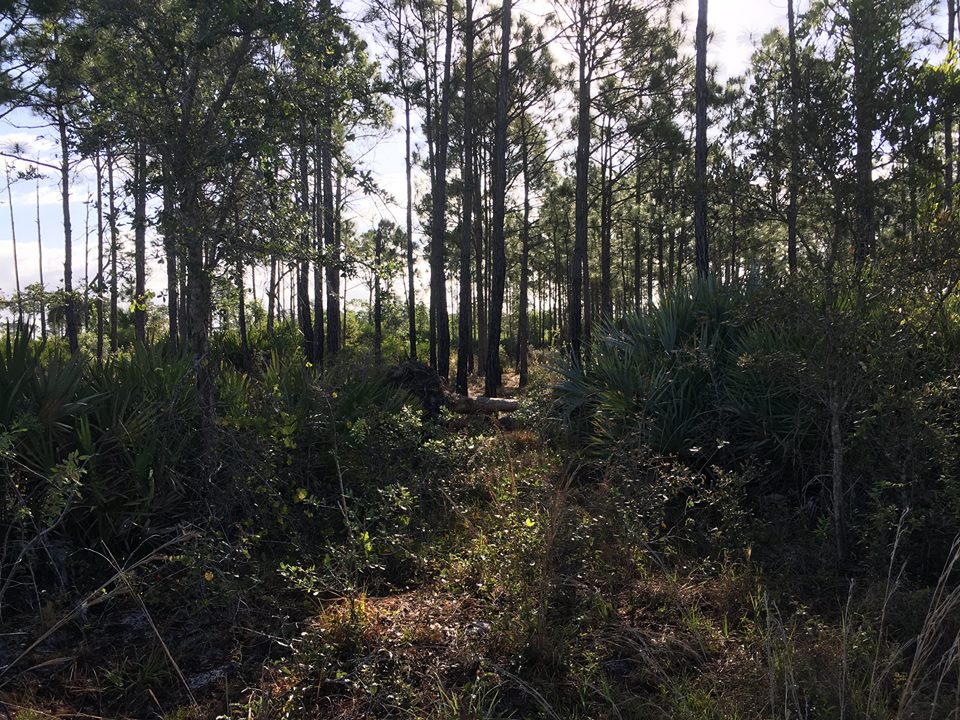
{"type": "Point", "coordinates": [575, 304]}
{"type": "Point", "coordinates": [114, 250]}
{"type": "Point", "coordinates": [318, 225]}
{"type": "Point", "coordinates": [303, 266]}
{"type": "Point", "coordinates": [16, 262]}
{"type": "Point", "coordinates": [43, 287]}
{"type": "Point", "coordinates": [864, 72]}
{"type": "Point", "coordinates": [523, 320]}
{"type": "Point", "coordinates": [73, 338]}
{"type": "Point", "coordinates": [606, 231]}
{"type": "Point", "coordinates": [794, 141]}
{"type": "Point", "coordinates": [700, 161]}
{"type": "Point", "coordinates": [637, 256]}
{"type": "Point", "coordinates": [140, 242]}
{"type": "Point", "coordinates": [330, 245]}
{"type": "Point", "coordinates": [411, 286]}
{"type": "Point", "coordinates": [493, 379]}
{"type": "Point", "coordinates": [948, 115]}
{"type": "Point", "coordinates": [438, 289]}
{"type": "Point", "coordinates": [377, 307]}
{"type": "Point", "coordinates": [465, 320]}
{"type": "Point", "coordinates": [170, 250]}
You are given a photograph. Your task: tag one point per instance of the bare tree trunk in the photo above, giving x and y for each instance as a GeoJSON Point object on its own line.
{"type": "Point", "coordinates": [140, 242]}
{"type": "Point", "coordinates": [465, 326]}
{"type": "Point", "coordinates": [861, 19]}
{"type": "Point", "coordinates": [330, 242]}
{"type": "Point", "coordinates": [438, 290]}
{"type": "Point", "coordinates": [199, 308]}
{"type": "Point", "coordinates": [523, 321]}
{"type": "Point", "coordinates": [43, 287]}
{"type": "Point", "coordinates": [377, 306]}
{"type": "Point", "coordinates": [114, 248]}
{"type": "Point", "coordinates": [242, 316]}
{"type": "Point", "coordinates": [606, 231]}
{"type": "Point", "coordinates": [700, 204]}
{"type": "Point", "coordinates": [86, 263]}
{"type": "Point", "coordinates": [303, 266]}
{"type": "Point", "coordinates": [16, 262]}
{"type": "Point", "coordinates": [836, 468]}
{"type": "Point", "coordinates": [480, 254]}
{"type": "Point", "coordinates": [408, 166]}
{"type": "Point", "coordinates": [98, 168]}
{"type": "Point", "coordinates": [272, 294]}
{"type": "Point", "coordinates": [794, 141]}
{"type": "Point", "coordinates": [637, 257]}
{"type": "Point", "coordinates": [948, 115]}
{"type": "Point", "coordinates": [493, 379]}
{"type": "Point", "coordinates": [583, 167]}
{"type": "Point", "coordinates": [73, 338]}
{"type": "Point", "coordinates": [319, 340]}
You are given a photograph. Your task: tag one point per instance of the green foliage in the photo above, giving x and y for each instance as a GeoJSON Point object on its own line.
{"type": "Point", "coordinates": [684, 379]}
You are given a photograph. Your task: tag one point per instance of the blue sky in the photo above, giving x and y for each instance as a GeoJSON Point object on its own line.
{"type": "Point", "coordinates": [735, 25]}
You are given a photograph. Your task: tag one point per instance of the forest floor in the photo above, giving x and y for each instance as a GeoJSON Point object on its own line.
{"type": "Point", "coordinates": [539, 601]}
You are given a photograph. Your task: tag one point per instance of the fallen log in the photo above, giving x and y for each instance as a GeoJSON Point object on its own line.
{"type": "Point", "coordinates": [423, 382]}
{"type": "Point", "coordinates": [481, 405]}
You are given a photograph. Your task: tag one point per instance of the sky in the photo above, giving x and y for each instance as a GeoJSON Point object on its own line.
{"type": "Point", "coordinates": [735, 25]}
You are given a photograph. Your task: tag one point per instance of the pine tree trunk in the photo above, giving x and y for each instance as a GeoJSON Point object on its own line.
{"type": "Point", "coordinates": [98, 169]}
{"type": "Point", "coordinates": [465, 320]}
{"type": "Point", "coordinates": [438, 290]}
{"type": "Point", "coordinates": [948, 115]}
{"type": "Point", "coordinates": [377, 308]}
{"type": "Point", "coordinates": [242, 316]}
{"type": "Point", "coordinates": [43, 287]}
{"type": "Point", "coordinates": [575, 303]}
{"type": "Point", "coordinates": [303, 266]}
{"type": "Point", "coordinates": [319, 340]}
{"type": "Point", "coordinates": [794, 141]}
{"type": "Point", "coordinates": [479, 254]}
{"type": "Point", "coordinates": [493, 378]}
{"type": "Point", "coordinates": [16, 262]}
{"type": "Point", "coordinates": [272, 294]}
{"type": "Point", "coordinates": [114, 250]}
{"type": "Point", "coordinates": [861, 14]}
{"type": "Point", "coordinates": [330, 242]}
{"type": "Point", "coordinates": [606, 231]}
{"type": "Point", "coordinates": [700, 161]}
{"type": "Point", "coordinates": [73, 338]}
{"type": "Point", "coordinates": [523, 320]}
{"type": "Point", "coordinates": [408, 160]}
{"type": "Point", "coordinates": [140, 242]}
